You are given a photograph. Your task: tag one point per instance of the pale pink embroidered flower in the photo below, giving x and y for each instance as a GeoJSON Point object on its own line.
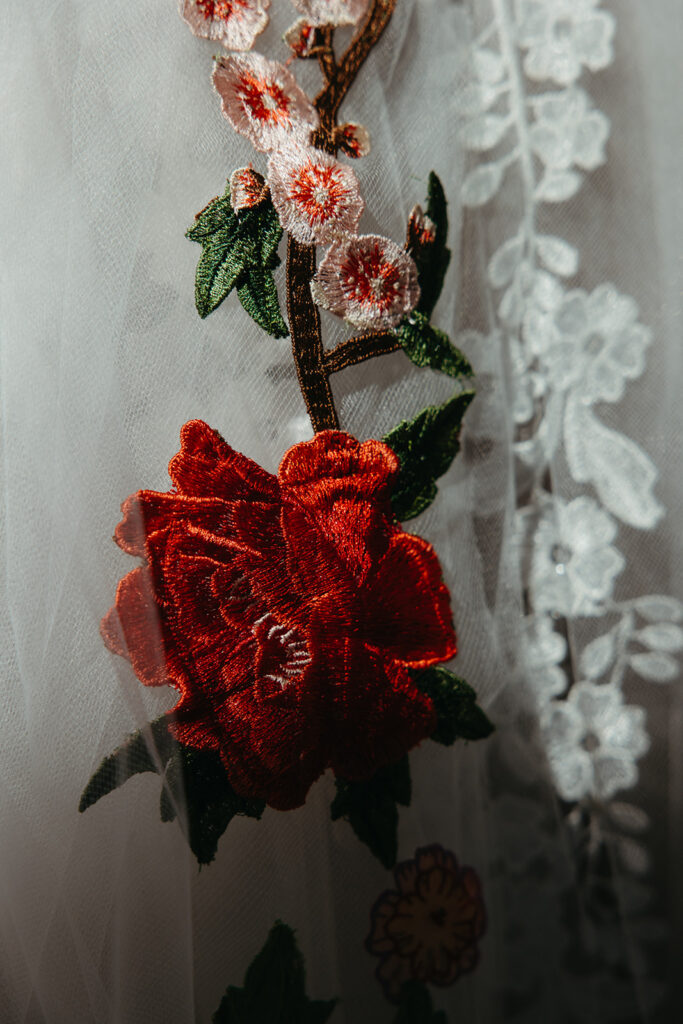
{"type": "Point", "coordinates": [300, 37]}
{"type": "Point", "coordinates": [332, 12]}
{"type": "Point", "coordinates": [261, 99]}
{"type": "Point", "coordinates": [247, 188]}
{"type": "Point", "coordinates": [368, 280]}
{"type": "Point", "coordinates": [233, 23]}
{"type": "Point", "coordinates": [353, 139]}
{"type": "Point", "coordinates": [317, 198]}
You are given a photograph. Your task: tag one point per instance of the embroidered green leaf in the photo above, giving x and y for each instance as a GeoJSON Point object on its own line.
{"type": "Point", "coordinates": [432, 258]}
{"type": "Point", "coordinates": [370, 808]}
{"type": "Point", "coordinates": [428, 346]}
{"type": "Point", "coordinates": [239, 250]}
{"type": "Point", "coordinates": [131, 758]}
{"type": "Point", "coordinates": [455, 702]}
{"type": "Point", "coordinates": [415, 1006]}
{"type": "Point", "coordinates": [274, 990]}
{"type": "Point", "coordinates": [195, 783]}
{"type": "Point", "coordinates": [197, 790]}
{"type": "Point", "coordinates": [425, 446]}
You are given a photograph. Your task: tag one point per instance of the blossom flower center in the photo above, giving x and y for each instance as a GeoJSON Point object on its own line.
{"type": "Point", "coordinates": [368, 278]}
{"type": "Point", "coordinates": [265, 99]}
{"type": "Point", "coordinates": [222, 9]}
{"type": "Point", "coordinates": [282, 654]}
{"type": "Point", "coordinates": [319, 191]}
{"type": "Point", "coordinates": [562, 30]}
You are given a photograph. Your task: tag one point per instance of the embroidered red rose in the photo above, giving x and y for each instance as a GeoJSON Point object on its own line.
{"type": "Point", "coordinates": [427, 928]}
{"type": "Point", "coordinates": [286, 610]}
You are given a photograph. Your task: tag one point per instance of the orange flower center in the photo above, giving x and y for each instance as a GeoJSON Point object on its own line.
{"type": "Point", "coordinates": [318, 191]}
{"type": "Point", "coordinates": [265, 99]}
{"type": "Point", "coordinates": [369, 278]}
{"type": "Point", "coordinates": [221, 9]}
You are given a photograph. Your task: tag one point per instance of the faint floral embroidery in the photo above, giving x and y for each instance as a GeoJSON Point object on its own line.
{"type": "Point", "coordinates": [592, 343]}
{"type": "Point", "coordinates": [561, 36]}
{"type": "Point", "coordinates": [574, 564]}
{"type": "Point", "coordinates": [428, 928]}
{"type": "Point", "coordinates": [568, 132]}
{"type": "Point", "coordinates": [544, 649]}
{"type": "Point", "coordinates": [593, 741]}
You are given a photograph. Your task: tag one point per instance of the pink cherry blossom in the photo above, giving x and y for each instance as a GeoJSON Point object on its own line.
{"type": "Point", "coordinates": [332, 12]}
{"type": "Point", "coordinates": [261, 99]}
{"type": "Point", "coordinates": [368, 280]}
{"type": "Point", "coordinates": [233, 23]}
{"type": "Point", "coordinates": [317, 198]}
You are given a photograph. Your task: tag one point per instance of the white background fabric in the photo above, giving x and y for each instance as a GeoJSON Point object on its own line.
{"type": "Point", "coordinates": [113, 139]}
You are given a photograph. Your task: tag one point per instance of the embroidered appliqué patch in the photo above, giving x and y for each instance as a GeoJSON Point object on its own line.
{"type": "Point", "coordinates": [302, 627]}
{"type": "Point", "coordinates": [428, 928]}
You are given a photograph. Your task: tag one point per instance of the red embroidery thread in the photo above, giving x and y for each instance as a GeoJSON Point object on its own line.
{"type": "Point", "coordinates": [288, 611]}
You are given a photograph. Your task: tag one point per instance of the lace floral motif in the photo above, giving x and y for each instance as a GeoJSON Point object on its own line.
{"type": "Point", "coordinates": [572, 352]}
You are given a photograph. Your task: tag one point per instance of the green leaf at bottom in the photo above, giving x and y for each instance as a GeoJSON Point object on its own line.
{"type": "Point", "coordinates": [274, 990]}
{"type": "Point", "coordinates": [416, 1006]}
{"type": "Point", "coordinates": [370, 808]}
{"type": "Point", "coordinates": [425, 446]}
{"type": "Point", "coordinates": [196, 788]}
{"type": "Point", "coordinates": [455, 702]}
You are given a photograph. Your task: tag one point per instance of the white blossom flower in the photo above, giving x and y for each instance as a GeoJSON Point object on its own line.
{"type": "Point", "coordinates": [332, 12]}
{"type": "Point", "coordinates": [593, 741]}
{"type": "Point", "coordinates": [560, 36]}
{"type": "Point", "coordinates": [316, 197]}
{"type": "Point", "coordinates": [369, 280]}
{"type": "Point", "coordinates": [233, 23]}
{"type": "Point", "coordinates": [261, 99]}
{"type": "Point", "coordinates": [543, 650]}
{"type": "Point", "coordinates": [591, 344]}
{"type": "Point", "coordinates": [573, 562]}
{"type": "Point", "coordinates": [568, 131]}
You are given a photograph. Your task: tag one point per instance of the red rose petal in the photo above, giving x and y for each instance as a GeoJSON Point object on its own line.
{"type": "Point", "coordinates": [206, 466]}
{"type": "Point", "coordinates": [408, 605]}
{"type": "Point", "coordinates": [140, 634]}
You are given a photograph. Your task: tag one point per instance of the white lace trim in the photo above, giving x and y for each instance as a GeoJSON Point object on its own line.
{"type": "Point", "coordinates": [569, 349]}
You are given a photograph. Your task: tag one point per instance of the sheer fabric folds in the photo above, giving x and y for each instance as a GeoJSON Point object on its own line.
{"type": "Point", "coordinates": [553, 127]}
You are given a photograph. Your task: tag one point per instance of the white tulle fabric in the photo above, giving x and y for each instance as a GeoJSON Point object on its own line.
{"type": "Point", "coordinates": [553, 126]}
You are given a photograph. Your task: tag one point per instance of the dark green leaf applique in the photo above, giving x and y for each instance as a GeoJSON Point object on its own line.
{"type": "Point", "coordinates": [274, 990]}
{"type": "Point", "coordinates": [196, 785]}
{"type": "Point", "coordinates": [428, 346]}
{"type": "Point", "coordinates": [426, 446]}
{"type": "Point", "coordinates": [455, 702]}
{"type": "Point", "coordinates": [131, 758]}
{"type": "Point", "coordinates": [415, 1006]}
{"type": "Point", "coordinates": [428, 248]}
{"type": "Point", "coordinates": [370, 808]}
{"type": "Point", "coordinates": [239, 250]}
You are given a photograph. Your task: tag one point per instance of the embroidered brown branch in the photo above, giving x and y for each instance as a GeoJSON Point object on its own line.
{"type": "Point", "coordinates": [360, 348]}
{"type": "Point", "coordinates": [312, 365]}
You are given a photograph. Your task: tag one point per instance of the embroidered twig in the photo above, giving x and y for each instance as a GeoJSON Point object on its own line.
{"type": "Point", "coordinates": [307, 344]}
{"type": "Point", "coordinates": [313, 367]}
{"type": "Point", "coordinates": [360, 348]}
{"type": "Point", "coordinates": [330, 97]}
